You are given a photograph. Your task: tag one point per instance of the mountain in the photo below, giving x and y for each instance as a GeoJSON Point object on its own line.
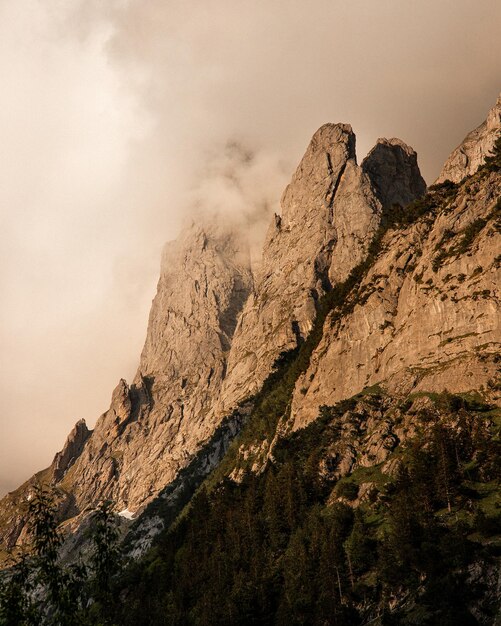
{"type": "Point", "coordinates": [156, 423]}
{"type": "Point", "coordinates": [330, 211]}
{"type": "Point", "coordinates": [425, 316]}
{"type": "Point", "coordinates": [320, 437]}
{"type": "Point", "coordinates": [215, 331]}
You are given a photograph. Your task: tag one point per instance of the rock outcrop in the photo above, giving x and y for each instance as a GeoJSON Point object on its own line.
{"type": "Point", "coordinates": [156, 424]}
{"type": "Point", "coordinates": [71, 451]}
{"type": "Point", "coordinates": [470, 154]}
{"type": "Point", "coordinates": [330, 212]}
{"type": "Point", "coordinates": [213, 335]}
{"type": "Point", "coordinates": [393, 169]}
{"type": "Point", "coordinates": [427, 315]}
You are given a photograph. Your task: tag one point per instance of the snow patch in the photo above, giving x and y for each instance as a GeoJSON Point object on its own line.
{"type": "Point", "coordinates": [127, 514]}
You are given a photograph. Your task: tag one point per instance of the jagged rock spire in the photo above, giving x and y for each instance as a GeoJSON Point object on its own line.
{"type": "Point", "coordinates": [330, 212]}
{"type": "Point", "coordinates": [71, 450]}
{"type": "Point", "coordinates": [214, 332]}
{"type": "Point", "coordinates": [154, 425]}
{"type": "Point", "coordinates": [393, 169]}
{"type": "Point", "coordinates": [471, 153]}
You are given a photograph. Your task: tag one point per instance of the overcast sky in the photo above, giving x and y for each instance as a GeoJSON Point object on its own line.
{"type": "Point", "coordinates": [118, 117]}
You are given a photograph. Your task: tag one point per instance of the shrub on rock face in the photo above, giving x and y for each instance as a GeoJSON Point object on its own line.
{"type": "Point", "coordinates": [347, 490]}
{"type": "Point", "coordinates": [493, 162]}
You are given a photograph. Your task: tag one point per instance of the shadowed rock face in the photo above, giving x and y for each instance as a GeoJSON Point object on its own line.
{"type": "Point", "coordinates": [470, 154]}
{"type": "Point", "coordinates": [393, 169]}
{"type": "Point", "coordinates": [71, 450]}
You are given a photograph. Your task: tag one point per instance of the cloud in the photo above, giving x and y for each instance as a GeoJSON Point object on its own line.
{"type": "Point", "coordinates": [120, 119]}
{"type": "Point", "coordinates": [241, 187]}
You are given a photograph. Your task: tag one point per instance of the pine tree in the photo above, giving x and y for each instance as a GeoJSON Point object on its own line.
{"type": "Point", "coordinates": [16, 586]}
{"type": "Point", "coordinates": [61, 588]}
{"type": "Point", "coordinates": [105, 560]}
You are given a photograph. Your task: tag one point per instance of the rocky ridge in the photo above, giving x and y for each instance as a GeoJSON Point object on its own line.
{"type": "Point", "coordinates": [192, 369]}
{"type": "Point", "coordinates": [157, 423]}
{"type": "Point", "coordinates": [471, 153]}
{"type": "Point", "coordinates": [426, 316]}
{"type": "Point", "coordinates": [330, 212]}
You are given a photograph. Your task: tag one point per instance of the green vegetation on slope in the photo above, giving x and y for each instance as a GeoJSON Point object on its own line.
{"type": "Point", "coordinates": [284, 547]}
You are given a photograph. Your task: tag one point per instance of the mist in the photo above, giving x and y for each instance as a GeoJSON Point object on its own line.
{"type": "Point", "coordinates": [122, 119]}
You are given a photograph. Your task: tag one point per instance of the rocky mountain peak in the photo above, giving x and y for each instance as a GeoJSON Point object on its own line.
{"type": "Point", "coordinates": [470, 154]}
{"type": "Point", "coordinates": [330, 212]}
{"type": "Point", "coordinates": [120, 399]}
{"type": "Point", "coordinates": [204, 282]}
{"type": "Point", "coordinates": [215, 331]}
{"type": "Point", "coordinates": [425, 316]}
{"type": "Point", "coordinates": [155, 424]}
{"type": "Point", "coordinates": [393, 169]}
{"type": "Point", "coordinates": [315, 180]}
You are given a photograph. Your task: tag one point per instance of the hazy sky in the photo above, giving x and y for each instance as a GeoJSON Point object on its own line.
{"type": "Point", "coordinates": [118, 116]}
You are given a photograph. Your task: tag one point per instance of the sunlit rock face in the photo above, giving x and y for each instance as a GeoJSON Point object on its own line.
{"type": "Point", "coordinates": [471, 153]}
{"type": "Point", "coordinates": [214, 332]}
{"type": "Point", "coordinates": [330, 212]}
{"type": "Point", "coordinates": [427, 315]}
{"type": "Point", "coordinates": [156, 424]}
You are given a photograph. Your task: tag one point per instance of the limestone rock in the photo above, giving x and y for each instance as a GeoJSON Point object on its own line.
{"type": "Point", "coordinates": [427, 315]}
{"type": "Point", "coordinates": [471, 153]}
{"type": "Point", "coordinates": [212, 338]}
{"type": "Point", "coordinates": [215, 331]}
{"type": "Point", "coordinates": [330, 212]}
{"type": "Point", "coordinates": [71, 450]}
{"type": "Point", "coordinates": [394, 171]}
{"type": "Point", "coordinates": [154, 426]}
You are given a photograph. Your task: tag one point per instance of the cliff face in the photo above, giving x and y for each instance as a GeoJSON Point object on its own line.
{"type": "Point", "coordinates": [427, 315]}
{"type": "Point", "coordinates": [212, 339]}
{"type": "Point", "coordinates": [330, 212]}
{"type": "Point", "coordinates": [71, 451]}
{"type": "Point", "coordinates": [154, 425]}
{"type": "Point", "coordinates": [471, 153]}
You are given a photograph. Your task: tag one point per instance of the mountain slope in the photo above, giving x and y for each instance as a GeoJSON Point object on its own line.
{"type": "Point", "coordinates": [382, 511]}
{"type": "Point", "coordinates": [382, 508]}
{"type": "Point", "coordinates": [330, 212]}
{"type": "Point", "coordinates": [156, 424]}
{"type": "Point", "coordinates": [215, 330]}
{"type": "Point", "coordinates": [358, 289]}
